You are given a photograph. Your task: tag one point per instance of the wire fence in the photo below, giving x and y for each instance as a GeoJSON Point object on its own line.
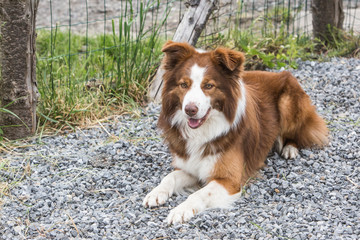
{"type": "Point", "coordinates": [88, 34]}
{"type": "Point", "coordinates": [95, 16]}
{"type": "Point", "coordinates": [83, 40]}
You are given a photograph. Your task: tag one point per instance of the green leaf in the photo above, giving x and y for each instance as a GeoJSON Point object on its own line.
{"type": "Point", "coordinates": [280, 64]}
{"type": "Point", "coordinates": [253, 51]}
{"type": "Point", "coordinates": [47, 118]}
{"type": "Point", "coordinates": [4, 110]}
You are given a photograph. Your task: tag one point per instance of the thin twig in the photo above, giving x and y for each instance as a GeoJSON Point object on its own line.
{"type": "Point", "coordinates": [102, 126]}
{"type": "Point", "coordinates": [354, 183]}
{"type": "Point", "coordinates": [81, 131]}
{"type": "Point", "coordinates": [104, 190]}
{"type": "Point", "coordinates": [73, 223]}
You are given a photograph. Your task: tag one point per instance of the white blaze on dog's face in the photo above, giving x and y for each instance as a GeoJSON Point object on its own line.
{"type": "Point", "coordinates": [196, 105]}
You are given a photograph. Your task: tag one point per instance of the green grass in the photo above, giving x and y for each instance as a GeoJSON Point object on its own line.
{"type": "Point", "coordinates": [272, 51]}
{"type": "Point", "coordinates": [270, 48]}
{"type": "Point", "coordinates": [5, 110]}
{"type": "Point", "coordinates": [344, 45]}
{"type": "Point", "coordinates": [84, 79]}
{"type": "Point", "coordinates": [270, 45]}
{"type": "Point", "coordinates": [75, 88]}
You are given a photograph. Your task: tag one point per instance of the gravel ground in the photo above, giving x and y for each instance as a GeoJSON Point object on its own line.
{"type": "Point", "coordinates": [90, 184]}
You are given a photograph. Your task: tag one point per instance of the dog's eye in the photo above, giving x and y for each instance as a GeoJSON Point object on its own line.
{"type": "Point", "coordinates": [208, 86]}
{"type": "Point", "coordinates": [183, 85]}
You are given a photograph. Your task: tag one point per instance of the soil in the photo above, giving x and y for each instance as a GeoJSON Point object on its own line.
{"type": "Point", "coordinates": [88, 16]}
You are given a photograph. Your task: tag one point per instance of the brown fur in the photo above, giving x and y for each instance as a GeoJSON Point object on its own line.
{"type": "Point", "coordinates": [276, 106]}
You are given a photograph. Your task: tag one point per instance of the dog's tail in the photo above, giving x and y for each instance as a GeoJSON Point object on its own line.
{"type": "Point", "coordinates": [313, 132]}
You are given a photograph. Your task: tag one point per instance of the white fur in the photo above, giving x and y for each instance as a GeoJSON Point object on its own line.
{"type": "Point", "coordinates": [279, 144]}
{"type": "Point", "coordinates": [200, 50]}
{"type": "Point", "coordinates": [174, 182]}
{"type": "Point", "coordinates": [290, 151]}
{"type": "Point", "coordinates": [196, 165]}
{"type": "Point", "coordinates": [215, 125]}
{"type": "Point", "coordinates": [195, 95]}
{"type": "Point", "coordinates": [241, 105]}
{"type": "Point", "coordinates": [213, 195]}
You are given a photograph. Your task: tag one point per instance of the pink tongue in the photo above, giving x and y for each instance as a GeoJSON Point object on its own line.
{"type": "Point", "coordinates": [194, 123]}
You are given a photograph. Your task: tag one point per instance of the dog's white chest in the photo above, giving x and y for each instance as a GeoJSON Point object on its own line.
{"type": "Point", "coordinates": [197, 166]}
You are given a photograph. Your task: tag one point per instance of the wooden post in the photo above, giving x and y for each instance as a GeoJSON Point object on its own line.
{"type": "Point", "coordinates": [328, 17]}
{"type": "Point", "coordinates": [189, 30]}
{"type": "Point", "coordinates": [18, 89]}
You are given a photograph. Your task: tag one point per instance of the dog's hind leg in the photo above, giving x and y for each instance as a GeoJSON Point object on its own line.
{"type": "Point", "coordinates": [290, 150]}
{"type": "Point", "coordinates": [301, 126]}
{"type": "Point", "coordinates": [286, 148]}
{"type": "Point", "coordinates": [278, 145]}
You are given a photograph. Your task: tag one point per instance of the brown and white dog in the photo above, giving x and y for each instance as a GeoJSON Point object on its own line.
{"type": "Point", "coordinates": [220, 123]}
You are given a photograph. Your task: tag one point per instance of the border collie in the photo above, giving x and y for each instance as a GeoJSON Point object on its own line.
{"type": "Point", "coordinates": [220, 122]}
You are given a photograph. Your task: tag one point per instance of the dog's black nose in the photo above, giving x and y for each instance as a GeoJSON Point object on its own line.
{"type": "Point", "coordinates": [191, 109]}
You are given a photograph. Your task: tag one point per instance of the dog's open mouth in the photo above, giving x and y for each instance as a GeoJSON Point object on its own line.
{"type": "Point", "coordinates": [195, 123]}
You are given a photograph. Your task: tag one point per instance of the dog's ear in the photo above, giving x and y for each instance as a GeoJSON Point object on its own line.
{"type": "Point", "coordinates": [176, 52]}
{"type": "Point", "coordinates": [229, 59]}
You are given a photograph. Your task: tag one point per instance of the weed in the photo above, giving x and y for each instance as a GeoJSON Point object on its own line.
{"type": "Point", "coordinates": [272, 51]}
{"type": "Point", "coordinates": [343, 44]}
{"type": "Point", "coordinates": [102, 75]}
{"type": "Point", "coordinates": [4, 110]}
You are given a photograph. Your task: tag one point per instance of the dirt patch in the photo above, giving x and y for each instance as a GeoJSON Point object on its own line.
{"type": "Point", "coordinates": [96, 16]}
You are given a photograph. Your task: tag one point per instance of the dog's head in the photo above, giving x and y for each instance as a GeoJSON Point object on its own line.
{"type": "Point", "coordinates": [200, 85]}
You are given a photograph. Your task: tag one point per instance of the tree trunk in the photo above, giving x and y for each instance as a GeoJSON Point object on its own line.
{"type": "Point", "coordinates": [328, 17]}
{"type": "Point", "coordinates": [18, 89]}
{"type": "Point", "coordinates": [189, 30]}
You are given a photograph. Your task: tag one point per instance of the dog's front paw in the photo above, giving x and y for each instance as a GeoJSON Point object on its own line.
{"type": "Point", "coordinates": [156, 197]}
{"type": "Point", "coordinates": [182, 213]}
{"type": "Point", "coordinates": [289, 151]}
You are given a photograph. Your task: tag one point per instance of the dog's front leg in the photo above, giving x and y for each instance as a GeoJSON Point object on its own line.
{"type": "Point", "coordinates": [174, 182]}
{"type": "Point", "coordinates": [213, 195]}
